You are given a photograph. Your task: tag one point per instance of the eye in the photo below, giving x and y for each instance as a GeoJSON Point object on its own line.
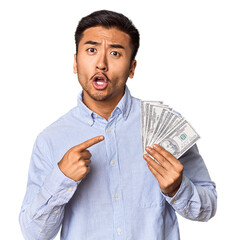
{"type": "Point", "coordinates": [91, 50]}
{"type": "Point", "coordinates": [115, 53]}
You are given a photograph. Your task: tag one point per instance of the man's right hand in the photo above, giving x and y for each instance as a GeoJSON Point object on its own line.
{"type": "Point", "coordinates": [75, 164]}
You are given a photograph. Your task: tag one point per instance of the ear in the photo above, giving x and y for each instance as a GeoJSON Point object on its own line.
{"type": "Point", "coordinates": [132, 68]}
{"type": "Point", "coordinates": [75, 64]}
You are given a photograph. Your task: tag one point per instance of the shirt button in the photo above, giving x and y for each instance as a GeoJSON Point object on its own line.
{"type": "Point", "coordinates": [96, 115]}
{"type": "Point", "coordinates": [117, 196]}
{"type": "Point", "coordinates": [90, 121]}
{"type": "Point", "coordinates": [174, 202]}
{"type": "Point", "coordinates": [118, 231]}
{"type": "Point", "coordinates": [124, 115]}
{"type": "Point", "coordinates": [70, 189]}
{"type": "Point", "coordinates": [56, 211]}
{"type": "Point", "coordinates": [108, 130]}
{"type": "Point", "coordinates": [112, 162]}
{"type": "Point", "coordinates": [186, 214]}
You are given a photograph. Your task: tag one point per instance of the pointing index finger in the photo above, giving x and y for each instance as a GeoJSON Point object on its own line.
{"type": "Point", "coordinates": [89, 143]}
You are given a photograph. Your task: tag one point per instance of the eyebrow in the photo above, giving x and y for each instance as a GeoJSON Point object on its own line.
{"type": "Point", "coordinates": [111, 45]}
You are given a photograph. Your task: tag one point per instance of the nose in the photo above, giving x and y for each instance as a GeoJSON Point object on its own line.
{"type": "Point", "coordinates": [102, 63]}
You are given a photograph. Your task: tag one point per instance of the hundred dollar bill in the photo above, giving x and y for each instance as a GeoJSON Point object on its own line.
{"type": "Point", "coordinates": [171, 121]}
{"type": "Point", "coordinates": [179, 139]}
{"type": "Point", "coordinates": [145, 116]}
{"type": "Point", "coordinates": [162, 125]}
{"type": "Point", "coordinates": [158, 113]}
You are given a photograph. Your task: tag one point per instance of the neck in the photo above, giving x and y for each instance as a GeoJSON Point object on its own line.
{"type": "Point", "coordinates": [103, 108]}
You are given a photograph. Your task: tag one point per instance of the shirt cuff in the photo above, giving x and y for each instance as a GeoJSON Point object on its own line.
{"type": "Point", "coordinates": [59, 185]}
{"type": "Point", "coordinates": [183, 195]}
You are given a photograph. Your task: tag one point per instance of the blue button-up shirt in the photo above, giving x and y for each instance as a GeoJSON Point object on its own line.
{"type": "Point", "coordinates": [120, 198]}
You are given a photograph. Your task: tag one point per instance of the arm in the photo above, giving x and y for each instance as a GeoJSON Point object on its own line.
{"type": "Point", "coordinates": [51, 187]}
{"type": "Point", "coordinates": [185, 182]}
{"type": "Point", "coordinates": [48, 190]}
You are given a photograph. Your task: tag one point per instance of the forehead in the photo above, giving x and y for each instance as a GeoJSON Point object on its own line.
{"type": "Point", "coordinates": [111, 35]}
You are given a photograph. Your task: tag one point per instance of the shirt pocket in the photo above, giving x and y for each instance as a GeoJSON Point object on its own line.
{"type": "Point", "coordinates": [145, 192]}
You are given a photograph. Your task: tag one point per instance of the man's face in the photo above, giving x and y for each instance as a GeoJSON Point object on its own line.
{"type": "Point", "coordinates": [103, 63]}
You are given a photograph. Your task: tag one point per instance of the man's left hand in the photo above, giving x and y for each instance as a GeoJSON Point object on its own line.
{"type": "Point", "coordinates": [168, 172]}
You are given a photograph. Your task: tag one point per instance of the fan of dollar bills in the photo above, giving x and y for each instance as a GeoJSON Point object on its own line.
{"type": "Point", "coordinates": [167, 128]}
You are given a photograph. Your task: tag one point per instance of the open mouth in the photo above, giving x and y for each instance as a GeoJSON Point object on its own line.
{"type": "Point", "coordinates": [100, 82]}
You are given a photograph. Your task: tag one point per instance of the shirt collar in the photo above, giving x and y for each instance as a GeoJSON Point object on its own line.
{"type": "Point", "coordinates": [125, 104]}
{"type": "Point", "coordinates": [123, 107]}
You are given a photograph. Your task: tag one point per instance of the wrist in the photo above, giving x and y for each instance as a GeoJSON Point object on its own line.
{"type": "Point", "coordinates": [172, 193]}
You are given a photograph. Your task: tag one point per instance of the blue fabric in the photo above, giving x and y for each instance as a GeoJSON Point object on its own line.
{"type": "Point", "coordinates": [120, 198]}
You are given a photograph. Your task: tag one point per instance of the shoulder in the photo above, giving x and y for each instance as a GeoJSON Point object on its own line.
{"type": "Point", "coordinates": [64, 122]}
{"type": "Point", "coordinates": [135, 100]}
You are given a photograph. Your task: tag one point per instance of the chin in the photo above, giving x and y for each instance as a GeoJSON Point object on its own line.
{"type": "Point", "coordinates": [98, 96]}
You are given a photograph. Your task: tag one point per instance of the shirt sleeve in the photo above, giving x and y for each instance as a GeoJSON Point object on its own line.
{"type": "Point", "coordinates": [48, 191]}
{"type": "Point", "coordinates": [196, 198]}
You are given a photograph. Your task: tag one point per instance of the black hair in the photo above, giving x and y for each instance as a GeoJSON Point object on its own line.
{"type": "Point", "coordinates": [109, 19]}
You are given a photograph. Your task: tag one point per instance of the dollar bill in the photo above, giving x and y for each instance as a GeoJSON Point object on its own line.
{"type": "Point", "coordinates": [145, 115]}
{"type": "Point", "coordinates": [178, 140]}
{"type": "Point", "coordinates": [161, 125]}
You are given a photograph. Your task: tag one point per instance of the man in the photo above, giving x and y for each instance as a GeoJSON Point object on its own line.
{"type": "Point", "coordinates": [88, 173]}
